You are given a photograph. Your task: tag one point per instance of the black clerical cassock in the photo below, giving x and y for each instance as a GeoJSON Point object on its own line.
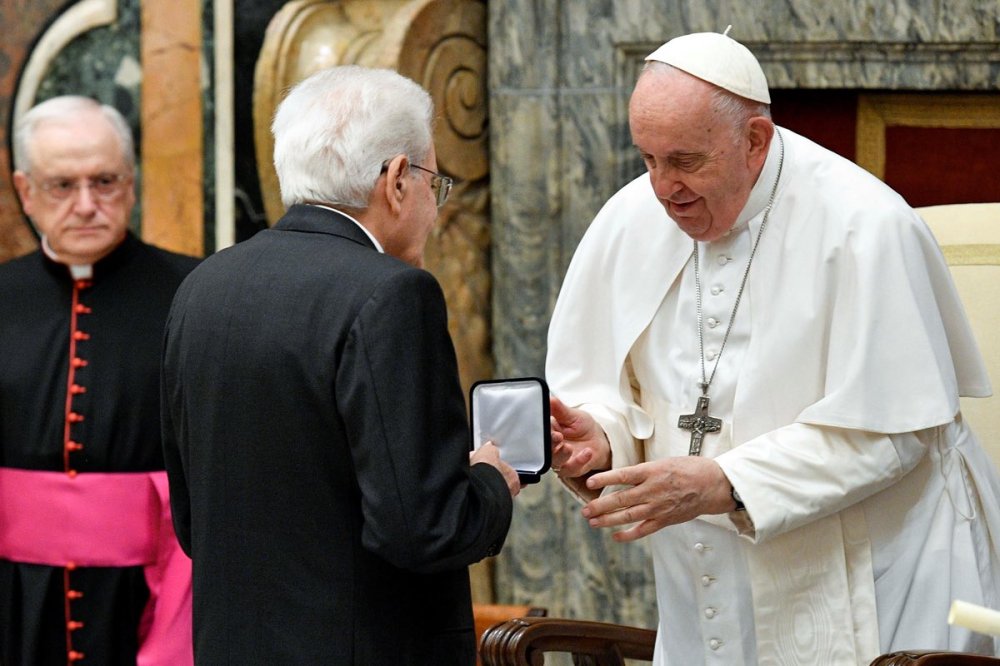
{"type": "Point", "coordinates": [90, 571]}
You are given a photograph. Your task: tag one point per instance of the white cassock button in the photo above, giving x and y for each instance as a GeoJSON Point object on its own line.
{"type": "Point", "coordinates": [710, 355]}
{"type": "Point", "coordinates": [710, 612]}
{"type": "Point", "coordinates": [712, 322]}
{"type": "Point", "coordinates": [723, 260]}
{"type": "Point", "coordinates": [707, 580]}
{"type": "Point", "coordinates": [700, 547]}
{"type": "Point", "coordinates": [717, 289]}
{"type": "Point", "coordinates": [715, 644]}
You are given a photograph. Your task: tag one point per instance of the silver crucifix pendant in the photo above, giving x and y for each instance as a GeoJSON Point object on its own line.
{"type": "Point", "coordinates": [699, 423]}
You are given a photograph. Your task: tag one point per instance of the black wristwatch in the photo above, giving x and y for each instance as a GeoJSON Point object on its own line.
{"type": "Point", "coordinates": [740, 506]}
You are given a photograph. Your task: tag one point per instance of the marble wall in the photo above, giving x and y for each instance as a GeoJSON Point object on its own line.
{"type": "Point", "coordinates": [104, 63]}
{"type": "Point", "coordinates": [560, 76]}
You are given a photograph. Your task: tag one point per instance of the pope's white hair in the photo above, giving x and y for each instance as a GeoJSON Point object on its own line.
{"type": "Point", "coordinates": [335, 129]}
{"type": "Point", "coordinates": [60, 109]}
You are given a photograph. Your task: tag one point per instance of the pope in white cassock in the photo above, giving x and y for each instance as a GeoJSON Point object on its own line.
{"type": "Point", "coordinates": [758, 354]}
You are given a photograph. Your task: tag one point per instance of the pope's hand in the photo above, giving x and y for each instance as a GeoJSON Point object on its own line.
{"type": "Point", "coordinates": [579, 445]}
{"type": "Point", "coordinates": [660, 493]}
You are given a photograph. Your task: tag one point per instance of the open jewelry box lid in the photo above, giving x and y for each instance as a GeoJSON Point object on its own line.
{"type": "Point", "coordinates": [514, 415]}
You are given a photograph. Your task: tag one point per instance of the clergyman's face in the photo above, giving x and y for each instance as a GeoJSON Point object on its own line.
{"type": "Point", "coordinates": [72, 156]}
{"type": "Point", "coordinates": [698, 165]}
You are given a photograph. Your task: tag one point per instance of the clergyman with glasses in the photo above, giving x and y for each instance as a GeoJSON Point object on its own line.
{"type": "Point", "coordinates": [90, 569]}
{"type": "Point", "coordinates": [314, 424]}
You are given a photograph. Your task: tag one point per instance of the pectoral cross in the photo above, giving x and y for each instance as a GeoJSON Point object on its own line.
{"type": "Point", "coordinates": [699, 423]}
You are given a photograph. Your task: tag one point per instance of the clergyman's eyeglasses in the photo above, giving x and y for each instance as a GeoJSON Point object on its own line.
{"type": "Point", "coordinates": [440, 184]}
{"type": "Point", "coordinates": [105, 186]}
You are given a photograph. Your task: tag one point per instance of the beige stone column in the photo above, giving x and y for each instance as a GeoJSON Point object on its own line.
{"type": "Point", "coordinates": [172, 126]}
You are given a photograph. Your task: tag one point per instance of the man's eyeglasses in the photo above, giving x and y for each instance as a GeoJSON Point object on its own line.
{"type": "Point", "coordinates": [105, 186]}
{"type": "Point", "coordinates": [440, 184]}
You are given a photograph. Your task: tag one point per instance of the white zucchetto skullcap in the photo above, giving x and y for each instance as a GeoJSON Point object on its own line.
{"type": "Point", "coordinates": [718, 59]}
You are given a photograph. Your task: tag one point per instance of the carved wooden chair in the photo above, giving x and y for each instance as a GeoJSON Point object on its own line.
{"type": "Point", "coordinates": [524, 642]}
{"type": "Point", "coordinates": [488, 615]}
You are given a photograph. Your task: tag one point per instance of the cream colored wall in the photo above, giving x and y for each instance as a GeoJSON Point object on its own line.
{"type": "Point", "coordinates": [969, 235]}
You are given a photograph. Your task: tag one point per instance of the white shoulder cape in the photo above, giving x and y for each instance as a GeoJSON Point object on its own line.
{"type": "Point", "coordinates": [855, 321]}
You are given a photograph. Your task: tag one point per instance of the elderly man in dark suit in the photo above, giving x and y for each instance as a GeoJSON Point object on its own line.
{"type": "Point", "coordinates": [314, 427]}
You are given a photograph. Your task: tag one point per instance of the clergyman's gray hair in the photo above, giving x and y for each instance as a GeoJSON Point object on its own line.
{"type": "Point", "coordinates": [61, 108]}
{"type": "Point", "coordinates": [335, 129]}
{"type": "Point", "coordinates": [734, 109]}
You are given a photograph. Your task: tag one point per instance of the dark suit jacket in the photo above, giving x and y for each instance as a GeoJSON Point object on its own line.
{"type": "Point", "coordinates": [317, 447]}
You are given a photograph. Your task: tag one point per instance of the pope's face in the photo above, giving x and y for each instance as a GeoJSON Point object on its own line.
{"type": "Point", "coordinates": [702, 169]}
{"type": "Point", "coordinates": [79, 190]}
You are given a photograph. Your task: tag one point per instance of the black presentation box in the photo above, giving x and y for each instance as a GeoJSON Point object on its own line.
{"type": "Point", "coordinates": [514, 415]}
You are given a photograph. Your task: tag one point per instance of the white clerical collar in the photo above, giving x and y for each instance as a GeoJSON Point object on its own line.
{"type": "Point", "coordinates": [378, 246]}
{"type": "Point", "coordinates": [78, 271]}
{"type": "Point", "coordinates": [761, 192]}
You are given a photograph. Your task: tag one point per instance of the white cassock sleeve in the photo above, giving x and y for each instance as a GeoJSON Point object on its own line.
{"type": "Point", "coordinates": [799, 473]}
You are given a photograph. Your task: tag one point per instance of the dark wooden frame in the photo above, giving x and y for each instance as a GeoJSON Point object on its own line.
{"type": "Point", "coordinates": [524, 642]}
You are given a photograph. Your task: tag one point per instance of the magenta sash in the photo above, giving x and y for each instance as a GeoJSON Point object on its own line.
{"type": "Point", "coordinates": [92, 519]}
{"type": "Point", "coordinates": [114, 519]}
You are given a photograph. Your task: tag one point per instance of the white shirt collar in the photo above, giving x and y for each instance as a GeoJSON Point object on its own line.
{"type": "Point", "coordinates": [78, 271]}
{"type": "Point", "coordinates": [378, 246]}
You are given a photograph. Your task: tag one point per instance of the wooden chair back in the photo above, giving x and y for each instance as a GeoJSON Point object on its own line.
{"type": "Point", "coordinates": [487, 615]}
{"type": "Point", "coordinates": [525, 641]}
